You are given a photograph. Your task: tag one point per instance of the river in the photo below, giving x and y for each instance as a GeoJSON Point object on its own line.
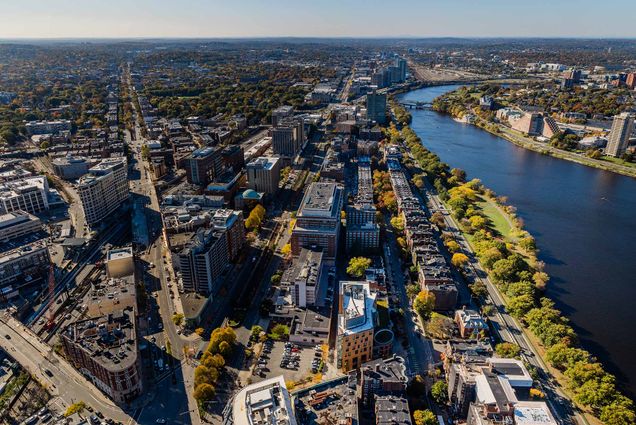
{"type": "Point", "coordinates": [583, 220]}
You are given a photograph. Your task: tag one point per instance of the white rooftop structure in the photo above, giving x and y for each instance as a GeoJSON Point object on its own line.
{"type": "Point", "coordinates": [533, 413]}
{"type": "Point", "coordinates": [358, 307]}
{"type": "Point", "coordinates": [264, 403]}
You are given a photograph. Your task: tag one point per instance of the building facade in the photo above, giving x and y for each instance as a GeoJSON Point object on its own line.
{"type": "Point", "coordinates": [619, 135]}
{"type": "Point", "coordinates": [318, 220]}
{"type": "Point", "coordinates": [356, 323]}
{"type": "Point", "coordinates": [17, 224]}
{"type": "Point", "coordinates": [104, 189]}
{"type": "Point", "coordinates": [203, 165]}
{"type": "Point", "coordinates": [376, 107]}
{"type": "Point", "coordinates": [263, 174]}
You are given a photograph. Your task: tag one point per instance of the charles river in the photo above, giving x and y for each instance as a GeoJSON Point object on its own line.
{"type": "Point", "coordinates": [584, 221]}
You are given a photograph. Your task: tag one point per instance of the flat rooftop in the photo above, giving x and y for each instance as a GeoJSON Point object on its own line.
{"type": "Point", "coordinates": [533, 413]}
{"type": "Point", "coordinates": [321, 200]}
{"type": "Point", "coordinates": [120, 253]}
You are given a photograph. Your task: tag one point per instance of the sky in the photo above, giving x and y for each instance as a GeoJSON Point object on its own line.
{"type": "Point", "coordinates": [316, 18]}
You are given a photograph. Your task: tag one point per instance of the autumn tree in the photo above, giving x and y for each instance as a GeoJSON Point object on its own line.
{"type": "Point", "coordinates": [459, 260]}
{"type": "Point", "coordinates": [424, 304]}
{"type": "Point", "coordinates": [358, 265]}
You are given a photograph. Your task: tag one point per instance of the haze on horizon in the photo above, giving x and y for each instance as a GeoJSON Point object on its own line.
{"type": "Point", "coordinates": [318, 18]}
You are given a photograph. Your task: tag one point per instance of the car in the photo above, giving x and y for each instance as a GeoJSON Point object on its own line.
{"type": "Point", "coordinates": [45, 418]}
{"type": "Point", "coordinates": [160, 421]}
{"type": "Point", "coordinates": [7, 336]}
{"type": "Point", "coordinates": [153, 339]}
{"type": "Point", "coordinates": [48, 372]}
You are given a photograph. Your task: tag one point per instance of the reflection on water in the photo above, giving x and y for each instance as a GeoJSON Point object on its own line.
{"type": "Point", "coordinates": [582, 218]}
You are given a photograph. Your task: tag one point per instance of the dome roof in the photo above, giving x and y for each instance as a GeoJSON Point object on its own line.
{"type": "Point", "coordinates": [250, 194]}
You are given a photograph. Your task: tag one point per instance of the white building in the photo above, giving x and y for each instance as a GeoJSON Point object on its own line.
{"type": "Point", "coordinates": [104, 189]}
{"type": "Point", "coordinates": [264, 403]}
{"type": "Point", "coordinates": [263, 174]}
{"type": "Point", "coordinates": [29, 194]}
{"type": "Point", "coordinates": [120, 262]}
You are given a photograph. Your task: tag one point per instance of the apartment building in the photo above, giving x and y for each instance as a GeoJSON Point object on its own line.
{"type": "Point", "coordinates": [357, 317]}
{"type": "Point", "coordinates": [303, 277]}
{"type": "Point", "coordinates": [376, 107]}
{"type": "Point", "coordinates": [619, 135]}
{"type": "Point", "coordinates": [47, 127]}
{"type": "Point", "coordinates": [104, 189]}
{"type": "Point", "coordinates": [69, 167]}
{"type": "Point", "coordinates": [22, 266]}
{"type": "Point", "coordinates": [232, 224]}
{"type": "Point", "coordinates": [105, 349]}
{"type": "Point", "coordinates": [363, 233]}
{"type": "Point", "coordinates": [203, 165]}
{"type": "Point", "coordinates": [288, 137]}
{"type": "Point", "coordinates": [201, 258]}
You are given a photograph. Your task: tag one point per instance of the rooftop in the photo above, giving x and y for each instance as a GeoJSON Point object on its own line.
{"type": "Point", "coordinates": [111, 340]}
{"type": "Point", "coordinates": [266, 402]}
{"type": "Point", "coordinates": [533, 413]}
{"type": "Point", "coordinates": [321, 200]}
{"type": "Point", "coordinates": [358, 307]}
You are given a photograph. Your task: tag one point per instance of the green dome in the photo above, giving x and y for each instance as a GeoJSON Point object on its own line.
{"type": "Point", "coordinates": [250, 194]}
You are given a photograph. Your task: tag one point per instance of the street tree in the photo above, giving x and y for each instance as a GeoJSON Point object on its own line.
{"type": "Point", "coordinates": [358, 265]}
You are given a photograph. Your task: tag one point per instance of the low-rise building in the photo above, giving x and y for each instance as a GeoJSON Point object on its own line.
{"type": "Point", "coordinates": [383, 377]}
{"type": "Point", "coordinates": [266, 402]}
{"type": "Point", "coordinates": [470, 323]}
{"type": "Point", "coordinates": [70, 167]}
{"type": "Point", "coordinates": [22, 266]}
{"type": "Point", "coordinates": [105, 350]}
{"type": "Point", "coordinates": [16, 224]}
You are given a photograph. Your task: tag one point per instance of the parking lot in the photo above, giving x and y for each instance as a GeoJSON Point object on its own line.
{"type": "Point", "coordinates": [299, 364]}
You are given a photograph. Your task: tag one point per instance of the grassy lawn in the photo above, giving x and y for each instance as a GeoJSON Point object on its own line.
{"type": "Point", "coordinates": [618, 161]}
{"type": "Point", "coordinates": [496, 217]}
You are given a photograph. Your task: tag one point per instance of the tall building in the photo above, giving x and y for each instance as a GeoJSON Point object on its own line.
{"type": "Point", "coordinates": [104, 189]}
{"type": "Point", "coordinates": [288, 137]}
{"type": "Point", "coordinates": [619, 135]}
{"type": "Point", "coordinates": [376, 107]}
{"type": "Point", "coordinates": [357, 316]}
{"type": "Point", "coordinates": [263, 174]}
{"type": "Point", "coordinates": [201, 258]}
{"type": "Point", "coordinates": [266, 402]}
{"type": "Point", "coordinates": [231, 222]}
{"type": "Point", "coordinates": [28, 194]}
{"type": "Point", "coordinates": [630, 81]}
{"type": "Point", "coordinates": [318, 220]}
{"type": "Point", "coordinates": [203, 165]}
{"type": "Point", "coordinates": [280, 113]}
{"type": "Point", "coordinates": [400, 64]}
{"type": "Point", "coordinates": [105, 349]}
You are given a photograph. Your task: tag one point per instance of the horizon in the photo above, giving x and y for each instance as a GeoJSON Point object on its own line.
{"type": "Point", "coordinates": [371, 19]}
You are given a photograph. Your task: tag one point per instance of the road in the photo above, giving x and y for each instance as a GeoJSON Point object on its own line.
{"type": "Point", "coordinates": [173, 395]}
{"type": "Point", "coordinates": [37, 357]}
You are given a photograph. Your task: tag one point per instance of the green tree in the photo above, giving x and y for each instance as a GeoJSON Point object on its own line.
{"type": "Point", "coordinates": [619, 412]}
{"type": "Point", "coordinates": [145, 152]}
{"type": "Point", "coordinates": [210, 360]}
{"type": "Point", "coordinates": [439, 392]}
{"type": "Point", "coordinates": [280, 331]}
{"type": "Point", "coordinates": [424, 304]}
{"type": "Point", "coordinates": [225, 349]}
{"type": "Point", "coordinates": [397, 223]}
{"type": "Point", "coordinates": [520, 306]}
{"type": "Point", "coordinates": [412, 291]}
{"type": "Point", "coordinates": [177, 319]}
{"type": "Point", "coordinates": [358, 265]}
{"type": "Point", "coordinates": [424, 417]}
{"type": "Point", "coordinates": [508, 350]}
{"type": "Point", "coordinates": [563, 357]}
{"type": "Point", "coordinates": [256, 331]}
{"type": "Point", "coordinates": [219, 335]}
{"type": "Point", "coordinates": [204, 393]}
{"type": "Point", "coordinates": [459, 260]}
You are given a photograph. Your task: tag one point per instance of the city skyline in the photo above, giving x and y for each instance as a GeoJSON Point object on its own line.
{"type": "Point", "coordinates": [327, 18]}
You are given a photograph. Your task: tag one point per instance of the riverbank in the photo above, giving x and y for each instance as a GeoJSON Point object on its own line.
{"type": "Point", "coordinates": [541, 319]}
{"type": "Point", "coordinates": [545, 149]}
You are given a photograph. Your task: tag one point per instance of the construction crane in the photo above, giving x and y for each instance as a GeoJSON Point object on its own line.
{"type": "Point", "coordinates": [51, 308]}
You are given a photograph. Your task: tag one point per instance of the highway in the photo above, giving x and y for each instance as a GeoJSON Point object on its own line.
{"type": "Point", "coordinates": [64, 381]}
